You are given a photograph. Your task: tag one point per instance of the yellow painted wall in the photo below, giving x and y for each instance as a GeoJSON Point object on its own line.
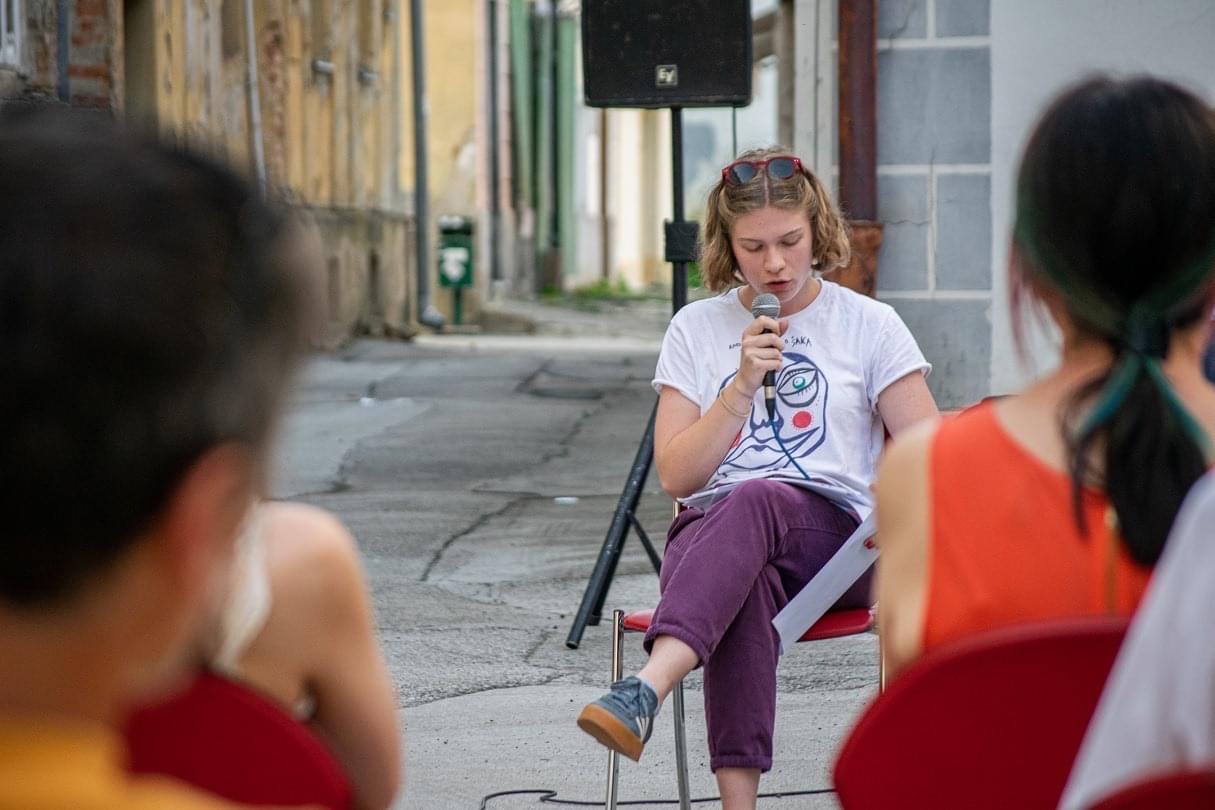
{"type": "Point", "coordinates": [324, 135]}
{"type": "Point", "coordinates": [451, 49]}
{"type": "Point", "coordinates": [451, 88]}
{"type": "Point", "coordinates": [328, 136]}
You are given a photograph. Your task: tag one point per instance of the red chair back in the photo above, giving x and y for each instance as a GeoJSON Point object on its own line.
{"type": "Point", "coordinates": [230, 741]}
{"type": "Point", "coordinates": [833, 624]}
{"type": "Point", "coordinates": [1184, 790]}
{"type": "Point", "coordinates": [993, 721]}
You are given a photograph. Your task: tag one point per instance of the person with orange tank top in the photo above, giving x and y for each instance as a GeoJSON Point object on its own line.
{"type": "Point", "coordinates": [1057, 501]}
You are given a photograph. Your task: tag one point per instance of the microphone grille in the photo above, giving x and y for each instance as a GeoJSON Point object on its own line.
{"type": "Point", "coordinates": [765, 304]}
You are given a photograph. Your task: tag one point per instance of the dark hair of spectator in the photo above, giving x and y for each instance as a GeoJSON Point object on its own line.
{"type": "Point", "coordinates": [1116, 215]}
{"type": "Point", "coordinates": [148, 313]}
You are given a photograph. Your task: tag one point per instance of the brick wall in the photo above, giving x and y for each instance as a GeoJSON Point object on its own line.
{"type": "Point", "coordinates": [91, 69]}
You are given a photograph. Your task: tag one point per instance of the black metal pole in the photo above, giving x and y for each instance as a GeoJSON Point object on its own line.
{"type": "Point", "coordinates": [591, 608]}
{"type": "Point", "coordinates": [679, 268]}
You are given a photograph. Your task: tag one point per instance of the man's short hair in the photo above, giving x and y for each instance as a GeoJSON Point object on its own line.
{"type": "Point", "coordinates": [148, 313]}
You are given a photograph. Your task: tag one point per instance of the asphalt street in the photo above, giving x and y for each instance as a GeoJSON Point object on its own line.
{"type": "Point", "coordinates": [479, 474]}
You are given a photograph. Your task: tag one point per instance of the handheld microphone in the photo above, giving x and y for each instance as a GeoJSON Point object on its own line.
{"type": "Point", "coordinates": [767, 304]}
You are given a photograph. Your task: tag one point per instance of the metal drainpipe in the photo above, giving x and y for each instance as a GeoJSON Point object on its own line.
{"type": "Point", "coordinates": [396, 106]}
{"type": "Point", "coordinates": [567, 124]}
{"type": "Point", "coordinates": [858, 141]}
{"type": "Point", "coordinates": [63, 44]}
{"type": "Point", "coordinates": [427, 314]}
{"type": "Point", "coordinates": [495, 265]}
{"type": "Point", "coordinates": [255, 106]}
{"type": "Point", "coordinates": [523, 105]}
{"type": "Point", "coordinates": [523, 172]}
{"type": "Point", "coordinates": [545, 145]}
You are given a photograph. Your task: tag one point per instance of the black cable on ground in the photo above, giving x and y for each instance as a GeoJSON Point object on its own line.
{"type": "Point", "coordinates": [545, 796]}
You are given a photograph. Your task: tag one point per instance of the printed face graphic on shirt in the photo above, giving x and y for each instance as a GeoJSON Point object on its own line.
{"type": "Point", "coordinates": [801, 418]}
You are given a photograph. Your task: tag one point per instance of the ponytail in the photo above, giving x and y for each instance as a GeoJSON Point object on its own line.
{"type": "Point", "coordinates": [1151, 448]}
{"type": "Point", "coordinates": [1116, 216]}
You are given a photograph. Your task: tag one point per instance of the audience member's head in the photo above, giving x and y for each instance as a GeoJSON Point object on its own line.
{"type": "Point", "coordinates": [1115, 230]}
{"type": "Point", "coordinates": [149, 317]}
{"type": "Point", "coordinates": [784, 183]}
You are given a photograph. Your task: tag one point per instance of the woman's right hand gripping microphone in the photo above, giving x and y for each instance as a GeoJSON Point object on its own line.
{"type": "Point", "coordinates": [761, 354]}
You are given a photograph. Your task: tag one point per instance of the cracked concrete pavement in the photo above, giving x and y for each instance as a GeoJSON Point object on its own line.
{"type": "Point", "coordinates": [445, 456]}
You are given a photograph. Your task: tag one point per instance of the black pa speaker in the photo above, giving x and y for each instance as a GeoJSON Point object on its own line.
{"type": "Point", "coordinates": [666, 53]}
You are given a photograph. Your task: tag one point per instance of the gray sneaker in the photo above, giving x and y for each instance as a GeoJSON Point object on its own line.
{"type": "Point", "coordinates": [623, 718]}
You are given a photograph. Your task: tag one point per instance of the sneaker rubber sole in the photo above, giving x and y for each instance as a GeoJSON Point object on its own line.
{"type": "Point", "coordinates": [609, 731]}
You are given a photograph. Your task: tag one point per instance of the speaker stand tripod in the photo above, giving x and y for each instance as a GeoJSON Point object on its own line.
{"type": "Point", "coordinates": [680, 249]}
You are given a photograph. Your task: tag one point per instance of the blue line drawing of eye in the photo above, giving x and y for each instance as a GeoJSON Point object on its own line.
{"type": "Point", "coordinates": [799, 384]}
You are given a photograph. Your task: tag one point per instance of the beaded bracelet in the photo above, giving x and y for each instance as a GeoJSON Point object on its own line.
{"type": "Point", "coordinates": [726, 405]}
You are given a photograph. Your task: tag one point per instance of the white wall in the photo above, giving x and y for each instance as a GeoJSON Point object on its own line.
{"type": "Point", "coordinates": [639, 193]}
{"type": "Point", "coordinates": [1038, 47]}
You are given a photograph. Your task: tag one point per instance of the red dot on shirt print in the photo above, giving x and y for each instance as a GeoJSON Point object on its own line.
{"type": "Point", "coordinates": [737, 440]}
{"type": "Point", "coordinates": [802, 420]}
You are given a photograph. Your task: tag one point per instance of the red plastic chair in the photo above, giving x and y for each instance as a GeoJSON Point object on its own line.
{"type": "Point", "coordinates": [227, 739]}
{"type": "Point", "coordinates": [833, 625]}
{"type": "Point", "coordinates": [1182, 790]}
{"type": "Point", "coordinates": [993, 721]}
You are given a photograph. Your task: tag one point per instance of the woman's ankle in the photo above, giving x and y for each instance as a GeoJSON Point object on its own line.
{"type": "Point", "coordinates": [739, 787]}
{"type": "Point", "coordinates": [661, 686]}
{"type": "Point", "coordinates": [670, 662]}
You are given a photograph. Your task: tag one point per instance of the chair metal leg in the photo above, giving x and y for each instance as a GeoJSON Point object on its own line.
{"type": "Point", "coordinates": [881, 669]}
{"type": "Point", "coordinates": [681, 748]}
{"type": "Point", "coordinates": [617, 674]}
{"type": "Point", "coordinates": [877, 631]}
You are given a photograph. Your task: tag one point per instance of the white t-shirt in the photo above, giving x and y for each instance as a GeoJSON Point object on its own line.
{"type": "Point", "coordinates": [1157, 712]}
{"type": "Point", "coordinates": [840, 352]}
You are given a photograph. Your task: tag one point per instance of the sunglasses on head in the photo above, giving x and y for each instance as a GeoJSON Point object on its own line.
{"type": "Point", "coordinates": [779, 167]}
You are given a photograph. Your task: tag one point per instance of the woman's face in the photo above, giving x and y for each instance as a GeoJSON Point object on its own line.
{"type": "Point", "coordinates": [774, 248]}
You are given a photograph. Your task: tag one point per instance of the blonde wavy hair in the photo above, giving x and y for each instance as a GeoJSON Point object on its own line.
{"type": "Point", "coordinates": [801, 192]}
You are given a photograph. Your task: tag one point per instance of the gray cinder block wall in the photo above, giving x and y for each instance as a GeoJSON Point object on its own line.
{"type": "Point", "coordinates": [934, 184]}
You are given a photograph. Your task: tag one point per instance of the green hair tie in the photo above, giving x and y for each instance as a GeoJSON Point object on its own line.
{"type": "Point", "coordinates": [1147, 333]}
{"type": "Point", "coordinates": [1122, 378]}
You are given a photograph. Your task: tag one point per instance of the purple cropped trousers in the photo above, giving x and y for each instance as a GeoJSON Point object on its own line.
{"type": "Point", "coordinates": [726, 573]}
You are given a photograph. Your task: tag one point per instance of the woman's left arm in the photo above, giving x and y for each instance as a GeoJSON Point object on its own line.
{"type": "Point", "coordinates": [356, 702]}
{"type": "Point", "coordinates": [902, 491]}
{"type": "Point", "coordinates": [905, 402]}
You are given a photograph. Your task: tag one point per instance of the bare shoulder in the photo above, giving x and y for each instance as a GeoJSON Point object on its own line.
{"type": "Point", "coordinates": [312, 556]}
{"type": "Point", "coordinates": [305, 530]}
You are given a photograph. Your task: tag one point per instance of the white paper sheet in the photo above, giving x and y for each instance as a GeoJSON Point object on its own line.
{"type": "Point", "coordinates": [831, 582]}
